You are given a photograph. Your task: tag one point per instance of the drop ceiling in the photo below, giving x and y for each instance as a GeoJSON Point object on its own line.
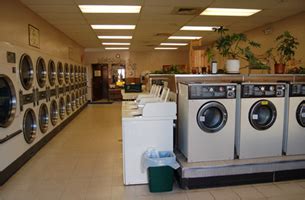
{"type": "Point", "coordinates": [156, 16]}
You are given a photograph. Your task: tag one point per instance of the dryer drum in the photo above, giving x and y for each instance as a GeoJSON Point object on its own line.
{"type": "Point", "coordinates": [41, 72]}
{"type": "Point", "coordinates": [60, 73]}
{"type": "Point", "coordinates": [300, 114]}
{"type": "Point", "coordinates": [68, 105]}
{"type": "Point", "coordinates": [212, 117]}
{"type": "Point", "coordinates": [43, 118]}
{"type": "Point", "coordinates": [29, 126]}
{"type": "Point", "coordinates": [52, 72]}
{"type": "Point", "coordinates": [67, 73]}
{"type": "Point", "coordinates": [262, 114]}
{"type": "Point", "coordinates": [73, 102]}
{"type": "Point", "coordinates": [54, 112]}
{"type": "Point", "coordinates": [71, 74]}
{"type": "Point", "coordinates": [77, 99]}
{"type": "Point", "coordinates": [26, 71]}
{"type": "Point", "coordinates": [62, 108]}
{"type": "Point", "coordinates": [7, 101]}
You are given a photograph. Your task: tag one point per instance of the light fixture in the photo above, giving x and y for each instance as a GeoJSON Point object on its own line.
{"type": "Point", "coordinates": [229, 11]}
{"type": "Point", "coordinates": [184, 37]}
{"type": "Point", "coordinates": [123, 27]}
{"type": "Point", "coordinates": [116, 43]}
{"type": "Point", "coordinates": [114, 37]}
{"type": "Point", "coordinates": [116, 48]}
{"type": "Point", "coordinates": [109, 9]}
{"type": "Point", "coordinates": [166, 48]}
{"type": "Point", "coordinates": [198, 28]}
{"type": "Point", "coordinates": [173, 44]}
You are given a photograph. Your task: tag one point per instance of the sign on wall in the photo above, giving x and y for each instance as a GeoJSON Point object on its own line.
{"type": "Point", "coordinates": [34, 38]}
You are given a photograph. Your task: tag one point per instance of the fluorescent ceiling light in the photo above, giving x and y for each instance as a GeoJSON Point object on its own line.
{"type": "Point", "coordinates": [198, 28]}
{"type": "Point", "coordinates": [166, 48]}
{"type": "Point", "coordinates": [114, 37]}
{"type": "Point", "coordinates": [109, 9]}
{"type": "Point", "coordinates": [116, 48]}
{"type": "Point", "coordinates": [229, 11]}
{"type": "Point", "coordinates": [173, 44]}
{"type": "Point", "coordinates": [184, 37]}
{"type": "Point", "coordinates": [116, 43]}
{"type": "Point", "coordinates": [126, 27]}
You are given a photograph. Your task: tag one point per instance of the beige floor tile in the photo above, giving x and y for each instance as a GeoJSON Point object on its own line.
{"type": "Point", "coordinates": [301, 183]}
{"type": "Point", "coordinates": [98, 194]}
{"type": "Point", "coordinates": [224, 194]}
{"type": "Point", "coordinates": [248, 193]}
{"type": "Point", "coordinates": [290, 188]}
{"type": "Point", "coordinates": [48, 194]}
{"type": "Point", "coordinates": [174, 196]}
{"type": "Point", "coordinates": [289, 197]}
{"type": "Point", "coordinates": [199, 195]}
{"type": "Point", "coordinates": [269, 190]}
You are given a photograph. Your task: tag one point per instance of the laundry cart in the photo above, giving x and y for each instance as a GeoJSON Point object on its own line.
{"type": "Point", "coordinates": [148, 127]}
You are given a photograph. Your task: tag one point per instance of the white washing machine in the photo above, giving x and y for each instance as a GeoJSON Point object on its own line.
{"type": "Point", "coordinates": [294, 143]}
{"type": "Point", "coordinates": [11, 137]}
{"type": "Point", "coordinates": [262, 108]}
{"type": "Point", "coordinates": [206, 121]}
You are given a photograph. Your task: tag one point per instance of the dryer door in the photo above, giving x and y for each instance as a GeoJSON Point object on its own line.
{"type": "Point", "coordinates": [262, 114]}
{"type": "Point", "coordinates": [300, 114]}
{"type": "Point", "coordinates": [212, 117]}
{"type": "Point", "coordinates": [7, 101]}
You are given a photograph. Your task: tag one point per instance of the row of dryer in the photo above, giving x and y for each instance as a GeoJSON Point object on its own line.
{"type": "Point", "coordinates": [37, 93]}
{"type": "Point", "coordinates": [226, 121]}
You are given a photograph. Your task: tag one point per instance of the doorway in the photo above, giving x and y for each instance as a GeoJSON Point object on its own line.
{"type": "Point", "coordinates": [99, 82]}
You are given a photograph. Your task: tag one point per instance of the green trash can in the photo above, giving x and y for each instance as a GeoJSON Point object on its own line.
{"type": "Point", "coordinates": [160, 179]}
{"type": "Point", "coordinates": [160, 169]}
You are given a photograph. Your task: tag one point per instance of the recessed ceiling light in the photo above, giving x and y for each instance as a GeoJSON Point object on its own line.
{"type": "Point", "coordinates": [184, 37]}
{"type": "Point", "coordinates": [116, 43]}
{"type": "Point", "coordinates": [173, 44]}
{"type": "Point", "coordinates": [116, 48]}
{"type": "Point", "coordinates": [126, 27]}
{"type": "Point", "coordinates": [114, 37]}
{"type": "Point", "coordinates": [198, 28]}
{"type": "Point", "coordinates": [229, 11]}
{"type": "Point", "coordinates": [166, 48]}
{"type": "Point", "coordinates": [109, 9]}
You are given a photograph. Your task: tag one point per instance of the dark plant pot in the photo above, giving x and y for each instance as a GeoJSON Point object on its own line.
{"type": "Point", "coordinates": [279, 68]}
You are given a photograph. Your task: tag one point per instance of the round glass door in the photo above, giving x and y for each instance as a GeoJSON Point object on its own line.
{"type": "Point", "coordinates": [62, 108]}
{"type": "Point", "coordinates": [300, 114]}
{"type": "Point", "coordinates": [262, 115]}
{"type": "Point", "coordinates": [7, 101]}
{"type": "Point", "coordinates": [77, 99]}
{"type": "Point", "coordinates": [68, 104]}
{"type": "Point", "coordinates": [26, 71]}
{"type": "Point", "coordinates": [212, 117]}
{"type": "Point", "coordinates": [60, 73]}
{"type": "Point", "coordinates": [43, 118]}
{"type": "Point", "coordinates": [75, 74]}
{"type": "Point", "coordinates": [54, 112]}
{"type": "Point", "coordinates": [67, 73]}
{"type": "Point", "coordinates": [41, 72]}
{"type": "Point", "coordinates": [29, 126]}
{"type": "Point", "coordinates": [52, 73]}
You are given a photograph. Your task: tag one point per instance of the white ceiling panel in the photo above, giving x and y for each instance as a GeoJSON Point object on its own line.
{"type": "Point", "coordinates": [157, 17]}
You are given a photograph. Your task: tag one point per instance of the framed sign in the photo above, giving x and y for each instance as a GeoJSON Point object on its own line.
{"type": "Point", "coordinates": [34, 39]}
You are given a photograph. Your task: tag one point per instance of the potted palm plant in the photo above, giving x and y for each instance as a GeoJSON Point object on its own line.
{"type": "Point", "coordinates": [234, 46]}
{"type": "Point", "coordinates": [285, 51]}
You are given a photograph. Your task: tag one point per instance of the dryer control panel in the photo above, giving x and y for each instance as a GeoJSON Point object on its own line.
{"type": "Point", "coordinates": [262, 90]}
{"type": "Point", "coordinates": [212, 91]}
{"type": "Point", "coordinates": [297, 90]}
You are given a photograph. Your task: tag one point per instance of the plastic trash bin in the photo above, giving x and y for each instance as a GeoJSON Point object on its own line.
{"type": "Point", "coordinates": [160, 166]}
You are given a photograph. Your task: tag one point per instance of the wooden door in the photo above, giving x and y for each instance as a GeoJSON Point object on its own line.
{"type": "Point", "coordinates": [99, 81]}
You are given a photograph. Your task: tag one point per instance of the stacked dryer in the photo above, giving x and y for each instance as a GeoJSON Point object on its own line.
{"type": "Point", "coordinates": [295, 133]}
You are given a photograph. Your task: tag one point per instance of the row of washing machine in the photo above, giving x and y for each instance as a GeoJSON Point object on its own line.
{"type": "Point", "coordinates": [36, 96]}
{"type": "Point", "coordinates": [226, 121]}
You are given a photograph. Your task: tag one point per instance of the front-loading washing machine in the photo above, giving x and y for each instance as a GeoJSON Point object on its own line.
{"type": "Point", "coordinates": [206, 121]}
{"type": "Point", "coordinates": [262, 107]}
{"type": "Point", "coordinates": [11, 138]}
{"type": "Point", "coordinates": [295, 133]}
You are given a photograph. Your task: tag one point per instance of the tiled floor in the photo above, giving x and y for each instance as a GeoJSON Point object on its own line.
{"type": "Point", "coordinates": [84, 162]}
